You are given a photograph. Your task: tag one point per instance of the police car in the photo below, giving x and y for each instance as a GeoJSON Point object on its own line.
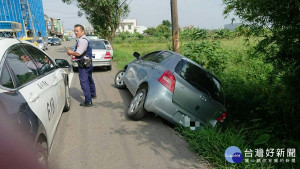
{"type": "Point", "coordinates": [34, 91]}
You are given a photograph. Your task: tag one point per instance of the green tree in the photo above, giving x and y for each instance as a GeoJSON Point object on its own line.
{"type": "Point", "coordinates": [277, 24]}
{"type": "Point", "coordinates": [150, 31]}
{"type": "Point", "coordinates": [104, 15]}
{"type": "Point", "coordinates": [163, 30]}
{"type": "Point", "coordinates": [167, 23]}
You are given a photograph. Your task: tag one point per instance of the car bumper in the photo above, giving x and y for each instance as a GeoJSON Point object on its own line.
{"type": "Point", "coordinates": [95, 63]}
{"type": "Point", "coordinates": [159, 101]}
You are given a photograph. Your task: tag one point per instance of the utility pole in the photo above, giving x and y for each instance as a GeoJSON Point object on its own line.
{"type": "Point", "coordinates": [175, 27]}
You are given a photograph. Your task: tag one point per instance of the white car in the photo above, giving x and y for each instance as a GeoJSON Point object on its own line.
{"type": "Point", "coordinates": [109, 47]}
{"type": "Point", "coordinates": [34, 91]}
{"type": "Point", "coordinates": [101, 56]}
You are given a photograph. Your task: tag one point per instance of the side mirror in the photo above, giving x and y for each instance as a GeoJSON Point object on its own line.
{"type": "Point", "coordinates": [62, 63]}
{"type": "Point", "coordinates": [136, 55]}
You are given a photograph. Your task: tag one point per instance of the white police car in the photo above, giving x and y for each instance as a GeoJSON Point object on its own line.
{"type": "Point", "coordinates": [34, 91]}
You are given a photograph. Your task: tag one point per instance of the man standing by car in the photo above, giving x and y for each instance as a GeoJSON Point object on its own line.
{"type": "Point", "coordinates": [83, 51]}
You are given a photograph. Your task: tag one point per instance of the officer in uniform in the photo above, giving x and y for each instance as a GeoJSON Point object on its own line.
{"type": "Point", "coordinates": [83, 49]}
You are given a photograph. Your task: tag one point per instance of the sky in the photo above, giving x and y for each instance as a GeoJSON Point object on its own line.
{"type": "Point", "coordinates": [150, 13]}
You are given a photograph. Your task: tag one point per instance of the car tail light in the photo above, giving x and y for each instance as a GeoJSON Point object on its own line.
{"type": "Point", "coordinates": [73, 58]}
{"type": "Point", "coordinates": [168, 80]}
{"type": "Point", "coordinates": [107, 55]}
{"type": "Point", "coordinates": [222, 117]}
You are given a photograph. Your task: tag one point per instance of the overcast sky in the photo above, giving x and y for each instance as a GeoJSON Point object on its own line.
{"type": "Point", "coordinates": [150, 13]}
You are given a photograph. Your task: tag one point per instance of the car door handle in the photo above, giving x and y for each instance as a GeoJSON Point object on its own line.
{"type": "Point", "coordinates": [54, 83]}
{"type": "Point", "coordinates": [33, 97]}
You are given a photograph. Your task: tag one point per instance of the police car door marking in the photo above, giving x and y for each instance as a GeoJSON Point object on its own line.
{"type": "Point", "coordinates": [50, 108]}
{"type": "Point", "coordinates": [42, 84]}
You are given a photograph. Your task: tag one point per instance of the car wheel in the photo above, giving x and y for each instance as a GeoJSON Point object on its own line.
{"type": "Point", "coordinates": [42, 152]}
{"type": "Point", "coordinates": [74, 69]}
{"type": "Point", "coordinates": [136, 109]}
{"type": "Point", "coordinates": [119, 82]}
{"type": "Point", "coordinates": [108, 67]}
{"type": "Point", "coordinates": [68, 99]}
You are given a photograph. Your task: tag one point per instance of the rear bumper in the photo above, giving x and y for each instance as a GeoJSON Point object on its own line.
{"type": "Point", "coordinates": [159, 101]}
{"type": "Point", "coordinates": [95, 63]}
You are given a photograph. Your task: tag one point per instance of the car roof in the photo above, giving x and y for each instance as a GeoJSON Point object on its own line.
{"type": "Point", "coordinates": [5, 43]}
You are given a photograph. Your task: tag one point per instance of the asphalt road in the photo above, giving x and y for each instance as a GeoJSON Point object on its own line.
{"type": "Point", "coordinates": [102, 137]}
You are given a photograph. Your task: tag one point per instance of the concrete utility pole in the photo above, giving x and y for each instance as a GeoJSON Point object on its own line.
{"type": "Point", "coordinates": [175, 27]}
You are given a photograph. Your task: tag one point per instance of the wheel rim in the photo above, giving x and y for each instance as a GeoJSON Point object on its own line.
{"type": "Point", "coordinates": [119, 79]}
{"type": "Point", "coordinates": [136, 102]}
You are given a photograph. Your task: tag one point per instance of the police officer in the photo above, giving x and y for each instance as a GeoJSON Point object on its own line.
{"type": "Point", "coordinates": [83, 49]}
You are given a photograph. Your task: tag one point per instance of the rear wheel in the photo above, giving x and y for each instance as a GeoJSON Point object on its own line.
{"type": "Point", "coordinates": [119, 82]}
{"type": "Point", "coordinates": [136, 109]}
{"type": "Point", "coordinates": [42, 151]}
{"type": "Point", "coordinates": [67, 99]}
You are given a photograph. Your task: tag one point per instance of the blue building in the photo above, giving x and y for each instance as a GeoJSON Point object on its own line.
{"type": "Point", "coordinates": [29, 13]}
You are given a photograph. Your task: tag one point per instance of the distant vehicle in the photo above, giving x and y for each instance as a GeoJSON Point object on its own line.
{"type": "Point", "coordinates": [34, 91]}
{"type": "Point", "coordinates": [55, 42]}
{"type": "Point", "coordinates": [101, 57]}
{"type": "Point", "coordinates": [31, 40]}
{"type": "Point", "coordinates": [173, 87]}
{"type": "Point", "coordinates": [49, 40]}
{"type": "Point", "coordinates": [92, 37]}
{"type": "Point", "coordinates": [109, 47]}
{"type": "Point", "coordinates": [42, 44]}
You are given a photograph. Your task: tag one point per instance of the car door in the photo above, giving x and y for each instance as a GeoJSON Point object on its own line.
{"type": "Point", "coordinates": [138, 71]}
{"type": "Point", "coordinates": [47, 71]}
{"type": "Point", "coordinates": [37, 90]}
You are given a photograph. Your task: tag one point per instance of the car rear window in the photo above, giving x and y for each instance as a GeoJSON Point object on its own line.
{"type": "Point", "coordinates": [97, 45]}
{"type": "Point", "coordinates": [200, 79]}
{"type": "Point", "coordinates": [106, 42]}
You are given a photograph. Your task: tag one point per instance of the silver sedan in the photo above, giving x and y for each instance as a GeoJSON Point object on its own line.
{"type": "Point", "coordinates": [173, 87]}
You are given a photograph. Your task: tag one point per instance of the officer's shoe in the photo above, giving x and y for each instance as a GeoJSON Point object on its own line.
{"type": "Point", "coordinates": [94, 97]}
{"type": "Point", "coordinates": [86, 104]}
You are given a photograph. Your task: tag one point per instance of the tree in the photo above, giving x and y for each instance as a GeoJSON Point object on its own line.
{"type": "Point", "coordinates": [104, 15]}
{"type": "Point", "coordinates": [150, 31]}
{"type": "Point", "coordinates": [278, 25]}
{"type": "Point", "coordinates": [167, 23]}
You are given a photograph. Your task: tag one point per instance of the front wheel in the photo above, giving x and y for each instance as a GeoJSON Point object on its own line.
{"type": "Point", "coordinates": [42, 152]}
{"type": "Point", "coordinates": [136, 109]}
{"type": "Point", "coordinates": [119, 82]}
{"type": "Point", "coordinates": [67, 99]}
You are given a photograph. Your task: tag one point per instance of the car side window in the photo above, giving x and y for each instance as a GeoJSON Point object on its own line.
{"type": "Point", "coordinates": [5, 78]}
{"type": "Point", "coordinates": [43, 62]}
{"type": "Point", "coordinates": [22, 65]}
{"type": "Point", "coordinates": [159, 58]}
{"type": "Point", "coordinates": [149, 56]}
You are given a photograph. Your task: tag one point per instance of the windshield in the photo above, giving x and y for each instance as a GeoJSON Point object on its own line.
{"type": "Point", "coordinates": [55, 40]}
{"type": "Point", "coordinates": [201, 79]}
{"type": "Point", "coordinates": [97, 44]}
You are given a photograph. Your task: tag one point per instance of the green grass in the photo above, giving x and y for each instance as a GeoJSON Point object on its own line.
{"type": "Point", "coordinates": [245, 79]}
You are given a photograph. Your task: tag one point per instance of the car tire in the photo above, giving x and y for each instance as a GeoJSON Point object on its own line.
{"type": "Point", "coordinates": [42, 151]}
{"type": "Point", "coordinates": [67, 99]}
{"type": "Point", "coordinates": [108, 67]}
{"type": "Point", "coordinates": [75, 69]}
{"type": "Point", "coordinates": [136, 110]}
{"type": "Point", "coordinates": [119, 82]}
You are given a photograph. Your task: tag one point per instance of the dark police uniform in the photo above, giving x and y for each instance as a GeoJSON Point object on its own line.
{"type": "Point", "coordinates": [83, 47]}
